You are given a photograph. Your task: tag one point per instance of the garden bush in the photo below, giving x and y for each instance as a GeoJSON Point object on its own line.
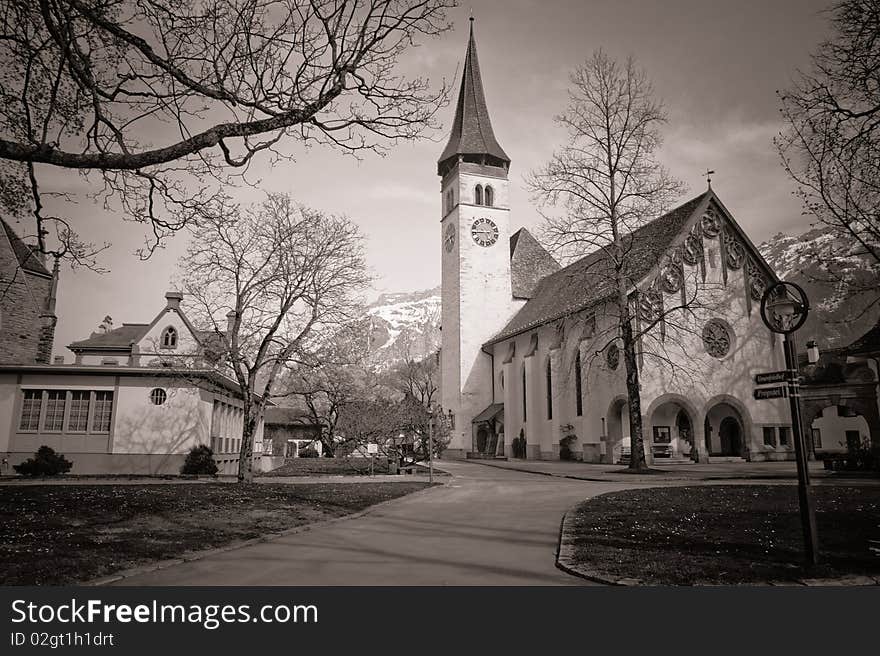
{"type": "Point", "coordinates": [199, 461]}
{"type": "Point", "coordinates": [308, 452]}
{"type": "Point", "coordinates": [44, 463]}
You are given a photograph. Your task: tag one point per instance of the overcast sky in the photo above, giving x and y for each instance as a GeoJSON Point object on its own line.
{"type": "Point", "coordinates": [715, 64]}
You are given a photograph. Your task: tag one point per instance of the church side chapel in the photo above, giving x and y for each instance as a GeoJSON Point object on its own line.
{"type": "Point", "coordinates": [530, 364]}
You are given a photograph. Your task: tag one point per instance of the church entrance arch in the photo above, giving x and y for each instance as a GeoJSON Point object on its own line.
{"type": "Point", "coordinates": [669, 431]}
{"type": "Point", "coordinates": [616, 430]}
{"type": "Point", "coordinates": [725, 430]}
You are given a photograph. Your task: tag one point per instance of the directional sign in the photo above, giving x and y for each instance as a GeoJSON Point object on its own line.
{"type": "Point", "coordinates": [771, 393]}
{"type": "Point", "coordinates": [771, 377]}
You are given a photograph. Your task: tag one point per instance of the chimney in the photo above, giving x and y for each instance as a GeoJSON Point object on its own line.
{"type": "Point", "coordinates": [48, 321]}
{"type": "Point", "coordinates": [173, 299]}
{"type": "Point", "coordinates": [135, 358]}
{"type": "Point", "coordinates": [230, 323]}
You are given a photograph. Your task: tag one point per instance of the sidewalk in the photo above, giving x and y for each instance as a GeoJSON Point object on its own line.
{"type": "Point", "coordinates": [680, 472]}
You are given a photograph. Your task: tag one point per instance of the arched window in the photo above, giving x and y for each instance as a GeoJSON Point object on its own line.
{"type": "Point", "coordinates": [578, 385]}
{"type": "Point", "coordinates": [449, 201]}
{"type": "Point", "coordinates": [158, 396]}
{"type": "Point", "coordinates": [525, 412]}
{"type": "Point", "coordinates": [169, 338]}
{"type": "Point", "coordinates": [549, 390]}
{"type": "Point", "coordinates": [478, 195]}
{"type": "Point", "coordinates": [490, 196]}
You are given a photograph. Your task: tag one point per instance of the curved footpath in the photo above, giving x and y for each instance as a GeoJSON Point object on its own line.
{"type": "Point", "coordinates": [485, 526]}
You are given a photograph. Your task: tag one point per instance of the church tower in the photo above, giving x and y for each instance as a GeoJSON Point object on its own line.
{"type": "Point", "coordinates": [475, 252]}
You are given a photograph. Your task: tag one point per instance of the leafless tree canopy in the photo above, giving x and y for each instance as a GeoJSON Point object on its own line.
{"type": "Point", "coordinates": [831, 143]}
{"type": "Point", "coordinates": [266, 283]}
{"type": "Point", "coordinates": [161, 97]}
{"type": "Point", "coordinates": [604, 183]}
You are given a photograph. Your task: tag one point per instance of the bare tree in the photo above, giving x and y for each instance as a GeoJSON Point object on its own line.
{"type": "Point", "coordinates": [267, 281]}
{"type": "Point", "coordinates": [607, 182]}
{"type": "Point", "coordinates": [331, 377]}
{"type": "Point", "coordinates": [163, 99]}
{"type": "Point", "coordinates": [831, 143]}
{"type": "Point", "coordinates": [418, 378]}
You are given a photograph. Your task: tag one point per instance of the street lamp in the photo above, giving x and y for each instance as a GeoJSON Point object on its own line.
{"type": "Point", "coordinates": [431, 444]}
{"type": "Point", "coordinates": [784, 309]}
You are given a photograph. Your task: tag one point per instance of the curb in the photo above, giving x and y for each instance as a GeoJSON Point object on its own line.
{"type": "Point", "coordinates": [647, 479]}
{"type": "Point", "coordinates": [566, 561]}
{"type": "Point", "coordinates": [232, 546]}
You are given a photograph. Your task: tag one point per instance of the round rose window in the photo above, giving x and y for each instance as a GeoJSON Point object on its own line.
{"type": "Point", "coordinates": [717, 338]}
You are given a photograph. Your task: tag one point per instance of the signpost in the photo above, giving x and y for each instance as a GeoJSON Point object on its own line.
{"type": "Point", "coordinates": [772, 377]}
{"type": "Point", "coordinates": [771, 393]}
{"type": "Point", "coordinates": [784, 309]}
{"type": "Point", "coordinates": [372, 449]}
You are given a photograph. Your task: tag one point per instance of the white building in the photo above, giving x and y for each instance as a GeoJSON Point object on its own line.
{"type": "Point", "coordinates": [525, 354]}
{"type": "Point", "coordinates": [136, 400]}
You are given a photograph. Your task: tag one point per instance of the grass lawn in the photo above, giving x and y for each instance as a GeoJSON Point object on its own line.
{"type": "Point", "coordinates": [337, 466]}
{"type": "Point", "coordinates": [725, 534]}
{"type": "Point", "coordinates": [56, 534]}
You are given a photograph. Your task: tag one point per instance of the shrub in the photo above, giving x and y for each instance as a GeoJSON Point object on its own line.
{"type": "Point", "coordinates": [309, 452]}
{"type": "Point", "coordinates": [199, 461]}
{"type": "Point", "coordinates": [44, 463]}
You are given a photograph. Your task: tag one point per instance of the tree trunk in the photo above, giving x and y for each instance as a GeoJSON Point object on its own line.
{"type": "Point", "coordinates": [246, 455]}
{"type": "Point", "coordinates": [633, 394]}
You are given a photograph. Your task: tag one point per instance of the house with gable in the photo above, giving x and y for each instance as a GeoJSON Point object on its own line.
{"type": "Point", "coordinates": [135, 400]}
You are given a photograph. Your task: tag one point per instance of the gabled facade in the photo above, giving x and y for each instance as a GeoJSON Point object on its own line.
{"type": "Point", "coordinates": [136, 400]}
{"type": "Point", "coordinates": [530, 366]}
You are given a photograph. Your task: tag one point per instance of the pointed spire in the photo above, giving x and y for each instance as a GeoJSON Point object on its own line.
{"type": "Point", "coordinates": [472, 130]}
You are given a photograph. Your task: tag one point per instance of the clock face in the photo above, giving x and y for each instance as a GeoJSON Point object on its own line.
{"type": "Point", "coordinates": [484, 232]}
{"type": "Point", "coordinates": [449, 237]}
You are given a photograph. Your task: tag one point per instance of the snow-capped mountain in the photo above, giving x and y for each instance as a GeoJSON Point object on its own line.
{"type": "Point", "coordinates": [842, 287]}
{"type": "Point", "coordinates": [403, 325]}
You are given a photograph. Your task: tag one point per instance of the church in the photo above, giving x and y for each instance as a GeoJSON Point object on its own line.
{"type": "Point", "coordinates": [530, 366]}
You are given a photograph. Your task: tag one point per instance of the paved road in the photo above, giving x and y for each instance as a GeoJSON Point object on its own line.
{"type": "Point", "coordinates": [486, 526]}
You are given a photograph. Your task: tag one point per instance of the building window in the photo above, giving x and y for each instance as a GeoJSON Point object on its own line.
{"type": "Point", "coordinates": [478, 195]}
{"type": "Point", "coordinates": [525, 411]}
{"type": "Point", "coordinates": [549, 390]}
{"type": "Point", "coordinates": [55, 402]}
{"type": "Point", "coordinates": [578, 385]}
{"type": "Point", "coordinates": [817, 438]}
{"type": "Point", "coordinates": [612, 357]}
{"type": "Point", "coordinates": [78, 421]}
{"type": "Point", "coordinates": [490, 196]}
{"type": "Point", "coordinates": [783, 436]}
{"type": "Point", "coordinates": [103, 412]}
{"type": "Point", "coordinates": [158, 396]}
{"type": "Point", "coordinates": [169, 338]}
{"type": "Point", "coordinates": [30, 410]}
{"type": "Point", "coordinates": [717, 338]}
{"type": "Point", "coordinates": [770, 436]}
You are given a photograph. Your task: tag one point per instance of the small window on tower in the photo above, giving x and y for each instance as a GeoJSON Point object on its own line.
{"type": "Point", "coordinates": [490, 196]}
{"type": "Point", "coordinates": [478, 195]}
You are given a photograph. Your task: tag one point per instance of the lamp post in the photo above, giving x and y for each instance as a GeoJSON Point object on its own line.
{"type": "Point", "coordinates": [784, 309]}
{"type": "Point", "coordinates": [431, 445]}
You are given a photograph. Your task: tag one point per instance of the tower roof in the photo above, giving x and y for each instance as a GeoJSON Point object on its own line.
{"type": "Point", "coordinates": [471, 130]}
